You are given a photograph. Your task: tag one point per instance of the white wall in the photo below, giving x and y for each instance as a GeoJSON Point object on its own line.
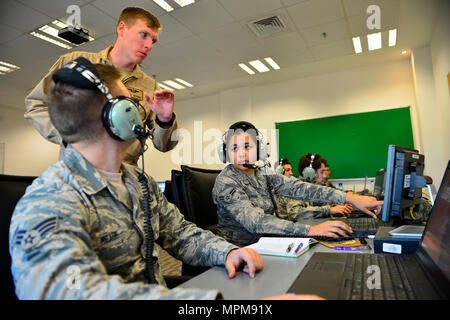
{"type": "Point", "coordinates": [26, 152]}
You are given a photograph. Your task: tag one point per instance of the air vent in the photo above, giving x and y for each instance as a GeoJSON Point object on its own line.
{"type": "Point", "coordinates": [267, 26]}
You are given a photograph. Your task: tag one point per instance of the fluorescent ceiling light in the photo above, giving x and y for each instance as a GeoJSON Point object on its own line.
{"type": "Point", "coordinates": [7, 67]}
{"type": "Point", "coordinates": [357, 44]}
{"type": "Point", "coordinates": [374, 41]}
{"type": "Point", "coordinates": [48, 39]}
{"type": "Point", "coordinates": [392, 37]}
{"type": "Point", "coordinates": [174, 84]}
{"type": "Point", "coordinates": [162, 86]}
{"type": "Point", "coordinates": [183, 3]}
{"type": "Point", "coordinates": [258, 65]}
{"type": "Point", "coordinates": [187, 84]}
{"type": "Point", "coordinates": [59, 24]}
{"type": "Point", "coordinates": [272, 63]}
{"type": "Point", "coordinates": [164, 5]}
{"type": "Point", "coordinates": [245, 68]}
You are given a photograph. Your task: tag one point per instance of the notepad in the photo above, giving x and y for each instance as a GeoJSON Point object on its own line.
{"type": "Point", "coordinates": [281, 247]}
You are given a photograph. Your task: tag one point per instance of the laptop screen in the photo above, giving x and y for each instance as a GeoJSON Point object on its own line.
{"type": "Point", "coordinates": [436, 239]}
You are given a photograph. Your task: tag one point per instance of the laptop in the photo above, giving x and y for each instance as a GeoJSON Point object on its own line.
{"type": "Point", "coordinates": [422, 275]}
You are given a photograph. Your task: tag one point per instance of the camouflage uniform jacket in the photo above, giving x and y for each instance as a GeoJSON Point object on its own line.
{"type": "Point", "coordinates": [246, 207]}
{"type": "Point", "coordinates": [137, 82]}
{"type": "Point", "coordinates": [72, 238]}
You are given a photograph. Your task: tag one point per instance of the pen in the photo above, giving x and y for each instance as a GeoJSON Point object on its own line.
{"type": "Point", "coordinates": [299, 247]}
{"type": "Point", "coordinates": [289, 247]}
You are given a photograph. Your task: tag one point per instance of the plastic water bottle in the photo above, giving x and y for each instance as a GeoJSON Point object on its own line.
{"type": "Point", "coordinates": [340, 186]}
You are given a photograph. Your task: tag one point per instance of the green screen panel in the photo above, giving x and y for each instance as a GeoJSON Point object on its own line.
{"type": "Point", "coordinates": [354, 145]}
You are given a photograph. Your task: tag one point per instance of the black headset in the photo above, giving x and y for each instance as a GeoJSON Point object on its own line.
{"type": "Point", "coordinates": [309, 173]}
{"type": "Point", "coordinates": [261, 145]}
{"type": "Point", "coordinates": [121, 115]}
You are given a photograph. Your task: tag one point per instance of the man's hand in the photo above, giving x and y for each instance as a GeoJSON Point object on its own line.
{"type": "Point", "coordinates": [237, 257]}
{"type": "Point", "coordinates": [162, 104]}
{"type": "Point", "coordinates": [331, 228]}
{"type": "Point", "coordinates": [365, 204]}
{"type": "Point", "coordinates": [344, 210]}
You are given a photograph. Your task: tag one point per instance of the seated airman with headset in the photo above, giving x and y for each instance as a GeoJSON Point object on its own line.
{"type": "Point", "coordinates": [312, 168]}
{"type": "Point", "coordinates": [244, 190]}
{"type": "Point", "coordinates": [284, 167]}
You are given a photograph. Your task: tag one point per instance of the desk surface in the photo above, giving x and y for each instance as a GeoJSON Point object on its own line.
{"type": "Point", "coordinates": [277, 276]}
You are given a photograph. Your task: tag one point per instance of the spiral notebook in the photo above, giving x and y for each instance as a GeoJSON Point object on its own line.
{"type": "Point", "coordinates": [281, 247]}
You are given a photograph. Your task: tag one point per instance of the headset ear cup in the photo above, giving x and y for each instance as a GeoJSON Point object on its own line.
{"type": "Point", "coordinates": [309, 173]}
{"type": "Point", "coordinates": [221, 152]}
{"type": "Point", "coordinates": [280, 169]}
{"type": "Point", "coordinates": [106, 120]}
{"type": "Point", "coordinates": [121, 117]}
{"type": "Point", "coordinates": [262, 150]}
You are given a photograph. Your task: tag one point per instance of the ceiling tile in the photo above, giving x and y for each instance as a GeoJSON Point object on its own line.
{"type": "Point", "coordinates": [203, 16]}
{"type": "Point", "coordinates": [358, 7]}
{"type": "Point", "coordinates": [114, 8]}
{"type": "Point", "coordinates": [312, 13]}
{"type": "Point", "coordinates": [172, 30]}
{"type": "Point", "coordinates": [334, 31]}
{"type": "Point", "coordinates": [21, 17]}
{"type": "Point", "coordinates": [54, 9]}
{"type": "Point", "coordinates": [333, 50]}
{"type": "Point", "coordinates": [250, 9]}
{"type": "Point", "coordinates": [358, 24]}
{"type": "Point", "coordinates": [8, 33]}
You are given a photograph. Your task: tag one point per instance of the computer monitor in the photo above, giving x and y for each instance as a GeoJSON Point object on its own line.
{"type": "Point", "coordinates": [435, 239]}
{"type": "Point", "coordinates": [162, 186]}
{"type": "Point", "coordinates": [378, 189]}
{"type": "Point", "coordinates": [403, 182]}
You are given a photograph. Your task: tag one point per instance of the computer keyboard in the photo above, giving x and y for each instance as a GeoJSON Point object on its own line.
{"type": "Point", "coordinates": [394, 282]}
{"type": "Point", "coordinates": [364, 223]}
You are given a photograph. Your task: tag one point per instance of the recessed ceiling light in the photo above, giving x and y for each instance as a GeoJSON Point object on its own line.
{"type": "Point", "coordinates": [404, 51]}
{"type": "Point", "coordinates": [392, 37]}
{"type": "Point", "coordinates": [272, 63]}
{"type": "Point", "coordinates": [162, 86]}
{"type": "Point", "coordinates": [174, 84]}
{"type": "Point", "coordinates": [187, 84]}
{"type": "Point", "coordinates": [374, 41]}
{"type": "Point", "coordinates": [51, 40]}
{"type": "Point", "coordinates": [245, 68]}
{"type": "Point", "coordinates": [164, 5]}
{"type": "Point", "coordinates": [258, 65]}
{"type": "Point", "coordinates": [357, 44]}
{"type": "Point", "coordinates": [6, 67]}
{"type": "Point", "coordinates": [183, 3]}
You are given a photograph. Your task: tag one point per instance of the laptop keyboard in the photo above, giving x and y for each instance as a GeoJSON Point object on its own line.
{"type": "Point", "coordinates": [359, 284]}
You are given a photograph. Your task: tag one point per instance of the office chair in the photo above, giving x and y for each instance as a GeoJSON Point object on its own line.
{"type": "Point", "coordinates": [195, 196]}
{"type": "Point", "coordinates": [12, 188]}
{"type": "Point", "coordinates": [197, 186]}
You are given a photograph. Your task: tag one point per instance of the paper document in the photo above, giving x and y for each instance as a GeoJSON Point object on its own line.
{"type": "Point", "coordinates": [282, 247]}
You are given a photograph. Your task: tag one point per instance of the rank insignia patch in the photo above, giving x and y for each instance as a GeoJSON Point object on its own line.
{"type": "Point", "coordinates": [26, 239]}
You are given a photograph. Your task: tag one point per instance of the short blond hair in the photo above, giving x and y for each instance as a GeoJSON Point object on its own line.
{"type": "Point", "coordinates": [130, 14]}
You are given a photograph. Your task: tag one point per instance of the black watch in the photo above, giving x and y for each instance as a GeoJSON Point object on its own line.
{"type": "Point", "coordinates": [165, 124]}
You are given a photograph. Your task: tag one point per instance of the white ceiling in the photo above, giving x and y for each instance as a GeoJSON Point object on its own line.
{"type": "Point", "coordinates": [203, 43]}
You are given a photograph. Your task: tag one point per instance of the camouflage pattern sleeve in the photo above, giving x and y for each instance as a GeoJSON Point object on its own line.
{"type": "Point", "coordinates": [297, 189]}
{"type": "Point", "coordinates": [184, 240]}
{"type": "Point", "coordinates": [294, 210]}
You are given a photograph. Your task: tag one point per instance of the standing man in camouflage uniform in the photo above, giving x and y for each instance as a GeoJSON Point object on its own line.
{"type": "Point", "coordinates": [137, 32]}
{"type": "Point", "coordinates": [82, 229]}
{"type": "Point", "coordinates": [243, 194]}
